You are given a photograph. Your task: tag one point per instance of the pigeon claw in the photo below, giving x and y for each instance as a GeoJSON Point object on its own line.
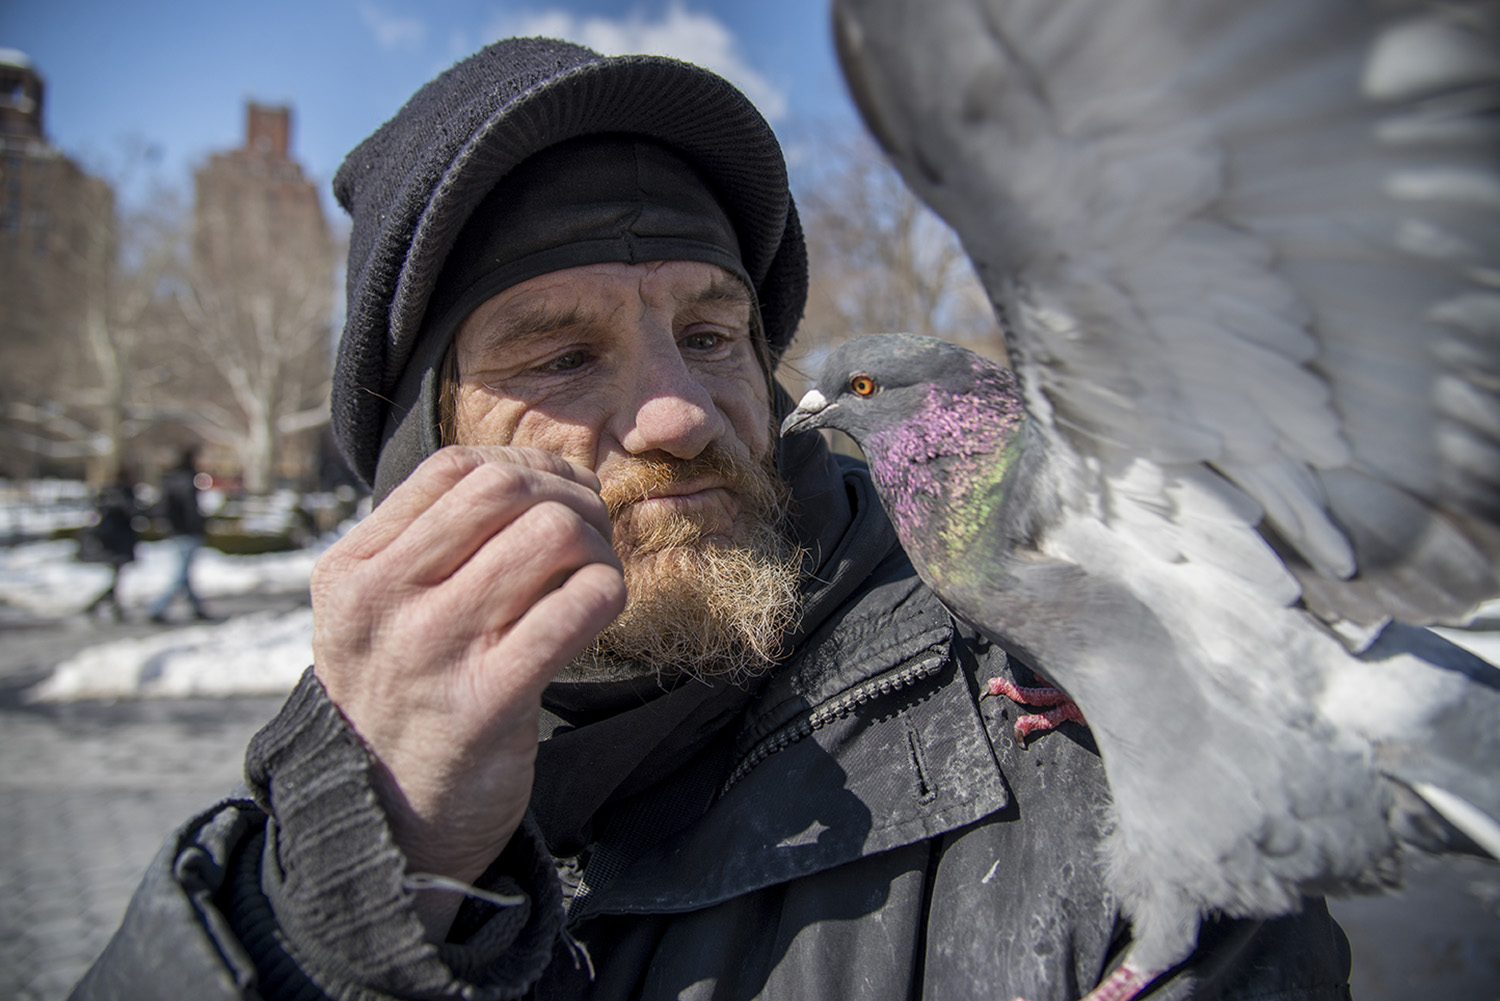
{"type": "Point", "coordinates": [1124, 984]}
{"type": "Point", "coordinates": [1049, 720]}
{"type": "Point", "coordinates": [1064, 709]}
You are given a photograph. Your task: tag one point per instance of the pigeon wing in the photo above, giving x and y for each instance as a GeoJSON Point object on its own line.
{"type": "Point", "coordinates": [1247, 252]}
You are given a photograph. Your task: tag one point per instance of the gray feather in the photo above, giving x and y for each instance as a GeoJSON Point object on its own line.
{"type": "Point", "coordinates": [1248, 261]}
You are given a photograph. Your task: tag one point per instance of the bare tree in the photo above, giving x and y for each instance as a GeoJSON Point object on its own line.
{"type": "Point", "coordinates": [124, 314]}
{"type": "Point", "coordinates": [255, 303]}
{"type": "Point", "coordinates": [81, 283]}
{"type": "Point", "coordinates": [213, 316]}
{"type": "Point", "coordinates": [879, 259]}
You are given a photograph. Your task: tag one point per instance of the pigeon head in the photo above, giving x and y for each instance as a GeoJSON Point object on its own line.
{"type": "Point", "coordinates": [940, 426]}
{"type": "Point", "coordinates": [870, 383]}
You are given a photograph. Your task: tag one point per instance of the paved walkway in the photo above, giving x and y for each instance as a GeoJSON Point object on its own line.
{"type": "Point", "coordinates": [88, 791]}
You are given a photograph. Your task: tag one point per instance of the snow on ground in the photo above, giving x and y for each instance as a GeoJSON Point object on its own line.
{"type": "Point", "coordinates": [39, 507]}
{"type": "Point", "coordinates": [256, 654]}
{"type": "Point", "coordinates": [43, 578]}
{"type": "Point", "coordinates": [263, 653]}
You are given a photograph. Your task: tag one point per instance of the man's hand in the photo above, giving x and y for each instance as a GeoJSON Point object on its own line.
{"type": "Point", "coordinates": [438, 622]}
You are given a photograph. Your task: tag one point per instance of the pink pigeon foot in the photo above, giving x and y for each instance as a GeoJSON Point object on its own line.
{"type": "Point", "coordinates": [1065, 708]}
{"type": "Point", "coordinates": [1121, 985]}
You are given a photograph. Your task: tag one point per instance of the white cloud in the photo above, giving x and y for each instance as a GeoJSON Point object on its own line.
{"type": "Point", "coordinates": [392, 31]}
{"type": "Point", "coordinates": [678, 32]}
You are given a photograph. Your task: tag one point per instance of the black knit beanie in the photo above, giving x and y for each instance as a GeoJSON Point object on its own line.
{"type": "Point", "coordinates": [412, 186]}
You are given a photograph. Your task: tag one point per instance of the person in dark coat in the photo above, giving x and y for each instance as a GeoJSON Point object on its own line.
{"type": "Point", "coordinates": [764, 770]}
{"type": "Point", "coordinates": [111, 538]}
{"type": "Point", "coordinates": [185, 521]}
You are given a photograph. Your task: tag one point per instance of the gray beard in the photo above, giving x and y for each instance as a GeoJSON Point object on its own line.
{"type": "Point", "coordinates": [706, 611]}
{"type": "Point", "coordinates": [699, 606]}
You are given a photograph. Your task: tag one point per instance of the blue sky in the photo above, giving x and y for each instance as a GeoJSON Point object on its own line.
{"type": "Point", "coordinates": [175, 75]}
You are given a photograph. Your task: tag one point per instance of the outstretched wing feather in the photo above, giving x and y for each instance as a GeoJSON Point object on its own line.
{"type": "Point", "coordinates": [1258, 240]}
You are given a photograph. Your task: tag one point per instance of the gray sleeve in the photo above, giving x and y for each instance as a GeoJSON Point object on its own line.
{"type": "Point", "coordinates": [299, 893]}
{"type": "Point", "coordinates": [173, 942]}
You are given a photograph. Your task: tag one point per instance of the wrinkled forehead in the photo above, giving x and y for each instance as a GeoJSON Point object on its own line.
{"type": "Point", "coordinates": [595, 297]}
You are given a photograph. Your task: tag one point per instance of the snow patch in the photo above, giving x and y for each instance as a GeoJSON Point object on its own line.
{"type": "Point", "coordinates": [263, 653]}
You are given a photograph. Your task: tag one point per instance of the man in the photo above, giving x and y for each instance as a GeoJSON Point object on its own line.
{"type": "Point", "coordinates": [765, 769]}
{"type": "Point", "coordinates": [179, 503]}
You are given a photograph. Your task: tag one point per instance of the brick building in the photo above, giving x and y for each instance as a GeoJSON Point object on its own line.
{"type": "Point", "coordinates": [57, 250]}
{"type": "Point", "coordinates": [263, 263]}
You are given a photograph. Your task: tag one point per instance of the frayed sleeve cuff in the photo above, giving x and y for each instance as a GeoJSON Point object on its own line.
{"type": "Point", "coordinates": [336, 885]}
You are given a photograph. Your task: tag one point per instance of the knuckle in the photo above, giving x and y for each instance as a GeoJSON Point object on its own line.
{"type": "Point", "coordinates": [611, 589]}
{"type": "Point", "coordinates": [338, 589]}
{"type": "Point", "coordinates": [600, 592]}
{"type": "Point", "coordinates": [564, 540]}
{"type": "Point", "coordinates": [449, 464]}
{"type": "Point", "coordinates": [335, 563]}
{"type": "Point", "coordinates": [558, 522]}
{"type": "Point", "coordinates": [539, 459]}
{"type": "Point", "coordinates": [500, 481]}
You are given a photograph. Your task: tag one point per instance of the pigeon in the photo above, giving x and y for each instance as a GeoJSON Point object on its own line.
{"type": "Point", "coordinates": [1246, 257]}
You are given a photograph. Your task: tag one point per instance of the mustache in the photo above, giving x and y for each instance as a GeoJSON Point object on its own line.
{"type": "Point", "coordinates": [697, 608]}
{"type": "Point", "coordinates": [754, 484]}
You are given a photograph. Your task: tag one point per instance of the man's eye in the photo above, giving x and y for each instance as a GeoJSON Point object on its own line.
{"type": "Point", "coordinates": [565, 362]}
{"type": "Point", "coordinates": [703, 340]}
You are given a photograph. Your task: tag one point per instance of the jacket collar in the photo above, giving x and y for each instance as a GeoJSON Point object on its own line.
{"type": "Point", "coordinates": [604, 742]}
{"type": "Point", "coordinates": [868, 739]}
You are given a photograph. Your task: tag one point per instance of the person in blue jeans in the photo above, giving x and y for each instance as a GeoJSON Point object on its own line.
{"type": "Point", "coordinates": [180, 505]}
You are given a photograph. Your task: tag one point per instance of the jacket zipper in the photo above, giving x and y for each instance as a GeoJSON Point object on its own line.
{"type": "Point", "coordinates": [835, 708]}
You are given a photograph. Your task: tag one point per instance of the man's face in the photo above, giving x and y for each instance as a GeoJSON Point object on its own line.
{"type": "Point", "coordinates": [647, 374]}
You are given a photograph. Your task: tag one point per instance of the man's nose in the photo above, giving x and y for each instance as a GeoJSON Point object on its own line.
{"type": "Point", "coordinates": [669, 410]}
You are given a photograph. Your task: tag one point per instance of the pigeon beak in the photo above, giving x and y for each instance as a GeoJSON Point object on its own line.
{"type": "Point", "coordinates": [808, 414]}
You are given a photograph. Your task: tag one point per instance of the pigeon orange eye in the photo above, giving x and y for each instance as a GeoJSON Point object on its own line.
{"type": "Point", "coordinates": [862, 385]}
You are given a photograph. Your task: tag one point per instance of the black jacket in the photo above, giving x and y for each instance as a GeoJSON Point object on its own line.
{"type": "Point", "coordinates": [112, 538]}
{"type": "Point", "coordinates": [863, 826]}
{"type": "Point", "coordinates": [179, 502]}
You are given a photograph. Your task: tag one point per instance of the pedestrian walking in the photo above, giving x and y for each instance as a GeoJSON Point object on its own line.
{"type": "Point", "coordinates": [180, 505]}
{"type": "Point", "coordinates": [111, 538]}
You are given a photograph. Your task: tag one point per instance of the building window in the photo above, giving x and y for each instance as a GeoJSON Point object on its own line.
{"type": "Point", "coordinates": [11, 205]}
